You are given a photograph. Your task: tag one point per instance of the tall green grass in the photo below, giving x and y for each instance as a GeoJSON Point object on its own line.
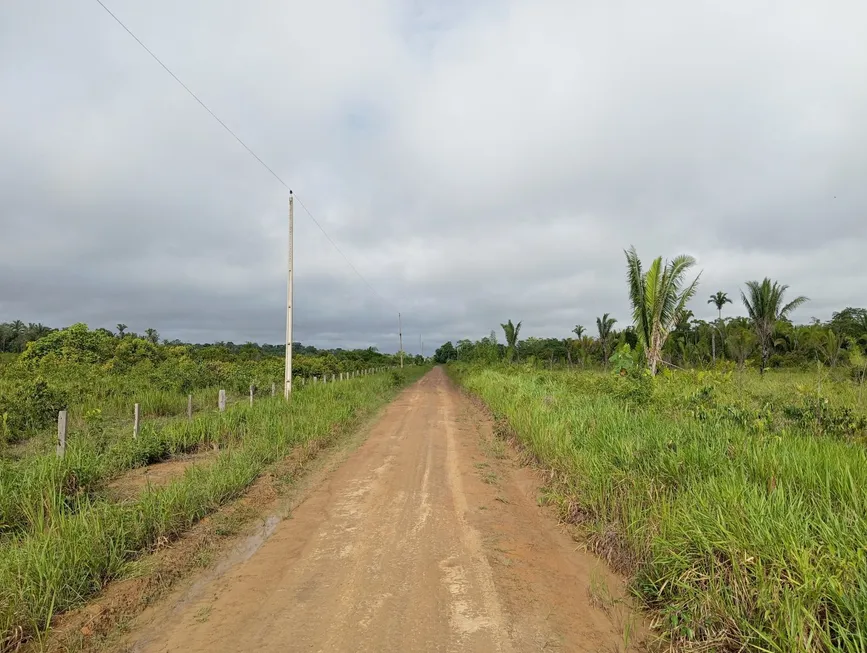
{"type": "Point", "coordinates": [738, 537]}
{"type": "Point", "coordinates": [71, 548]}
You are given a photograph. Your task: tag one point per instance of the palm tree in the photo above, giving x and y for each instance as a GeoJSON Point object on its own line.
{"type": "Point", "coordinates": [658, 299]}
{"type": "Point", "coordinates": [120, 329]}
{"type": "Point", "coordinates": [764, 304]}
{"type": "Point", "coordinates": [605, 325]}
{"type": "Point", "coordinates": [578, 331]}
{"type": "Point", "coordinates": [152, 335]}
{"type": "Point", "coordinates": [585, 346]}
{"type": "Point", "coordinates": [719, 299]}
{"type": "Point", "coordinates": [511, 331]}
{"type": "Point", "coordinates": [39, 330]}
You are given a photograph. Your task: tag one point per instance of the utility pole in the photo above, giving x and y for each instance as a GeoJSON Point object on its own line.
{"type": "Point", "coordinates": [400, 335]}
{"type": "Point", "coordinates": [287, 380]}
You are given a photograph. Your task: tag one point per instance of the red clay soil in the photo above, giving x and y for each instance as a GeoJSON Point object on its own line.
{"type": "Point", "coordinates": [422, 540]}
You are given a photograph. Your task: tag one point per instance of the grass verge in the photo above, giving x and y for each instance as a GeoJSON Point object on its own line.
{"type": "Point", "coordinates": [51, 569]}
{"type": "Point", "coordinates": [736, 538]}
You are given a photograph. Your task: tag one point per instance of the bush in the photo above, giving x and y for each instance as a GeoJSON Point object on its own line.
{"type": "Point", "coordinates": [28, 407]}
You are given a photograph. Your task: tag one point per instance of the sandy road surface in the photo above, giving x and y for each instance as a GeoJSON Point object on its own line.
{"type": "Point", "coordinates": [420, 541]}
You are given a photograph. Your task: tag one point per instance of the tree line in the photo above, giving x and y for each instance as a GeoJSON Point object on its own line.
{"type": "Point", "coordinates": [662, 331]}
{"type": "Point", "coordinates": [78, 341]}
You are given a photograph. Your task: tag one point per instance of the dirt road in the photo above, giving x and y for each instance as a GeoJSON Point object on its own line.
{"type": "Point", "coordinates": [424, 539]}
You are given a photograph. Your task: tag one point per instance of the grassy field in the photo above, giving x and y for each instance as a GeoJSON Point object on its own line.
{"type": "Point", "coordinates": [63, 536]}
{"type": "Point", "coordinates": [737, 504]}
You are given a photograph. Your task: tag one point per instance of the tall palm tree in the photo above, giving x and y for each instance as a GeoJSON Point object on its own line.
{"type": "Point", "coordinates": [120, 330]}
{"type": "Point", "coordinates": [719, 299]}
{"type": "Point", "coordinates": [511, 331]}
{"type": "Point", "coordinates": [152, 335]}
{"type": "Point", "coordinates": [764, 303]}
{"type": "Point", "coordinates": [659, 297]}
{"type": "Point", "coordinates": [578, 331]}
{"type": "Point", "coordinates": [605, 326]}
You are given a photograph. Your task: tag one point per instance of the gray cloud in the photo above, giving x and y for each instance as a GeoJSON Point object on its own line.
{"type": "Point", "coordinates": [476, 161]}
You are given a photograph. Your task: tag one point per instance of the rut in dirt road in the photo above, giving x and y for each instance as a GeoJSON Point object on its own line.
{"type": "Point", "coordinates": [418, 542]}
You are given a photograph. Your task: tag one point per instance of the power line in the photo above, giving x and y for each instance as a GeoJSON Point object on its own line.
{"type": "Point", "coordinates": [243, 144]}
{"type": "Point", "coordinates": [345, 258]}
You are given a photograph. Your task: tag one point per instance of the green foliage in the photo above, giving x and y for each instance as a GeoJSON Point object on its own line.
{"type": "Point", "coordinates": [740, 519]}
{"type": "Point", "coordinates": [61, 505]}
{"type": "Point", "coordinates": [764, 303]}
{"type": "Point", "coordinates": [76, 344]}
{"type": "Point", "coordinates": [445, 353]}
{"type": "Point", "coordinates": [28, 407]}
{"type": "Point", "coordinates": [623, 360]}
{"type": "Point", "coordinates": [605, 327]}
{"type": "Point", "coordinates": [511, 332]}
{"type": "Point", "coordinates": [658, 297]}
{"type": "Point", "coordinates": [719, 299]}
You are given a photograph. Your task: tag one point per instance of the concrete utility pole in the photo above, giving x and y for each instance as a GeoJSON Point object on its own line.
{"type": "Point", "coordinates": [400, 335]}
{"type": "Point", "coordinates": [287, 381]}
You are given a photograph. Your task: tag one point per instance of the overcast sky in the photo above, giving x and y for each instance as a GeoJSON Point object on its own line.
{"type": "Point", "coordinates": [475, 160]}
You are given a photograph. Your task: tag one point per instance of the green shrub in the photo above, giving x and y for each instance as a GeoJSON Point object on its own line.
{"type": "Point", "coordinates": [28, 407]}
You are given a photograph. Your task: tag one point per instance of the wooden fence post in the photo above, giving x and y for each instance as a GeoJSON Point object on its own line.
{"type": "Point", "coordinates": [221, 401]}
{"type": "Point", "coordinates": [251, 395]}
{"type": "Point", "coordinates": [189, 406]}
{"type": "Point", "coordinates": [273, 389]}
{"type": "Point", "coordinates": [61, 434]}
{"type": "Point", "coordinates": [136, 414]}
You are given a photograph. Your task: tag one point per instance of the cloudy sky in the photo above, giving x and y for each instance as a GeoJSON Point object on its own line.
{"type": "Point", "coordinates": [475, 160]}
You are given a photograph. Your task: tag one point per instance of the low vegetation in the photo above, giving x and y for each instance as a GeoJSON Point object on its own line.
{"type": "Point", "coordinates": [94, 372]}
{"type": "Point", "coordinates": [721, 464]}
{"type": "Point", "coordinates": [63, 532]}
{"type": "Point", "coordinates": [737, 504]}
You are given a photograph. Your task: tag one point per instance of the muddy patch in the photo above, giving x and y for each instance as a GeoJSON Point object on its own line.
{"type": "Point", "coordinates": [133, 483]}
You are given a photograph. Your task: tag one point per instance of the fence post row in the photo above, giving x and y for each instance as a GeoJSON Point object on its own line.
{"type": "Point", "coordinates": [136, 414]}
{"type": "Point", "coordinates": [61, 434]}
{"type": "Point", "coordinates": [221, 401]}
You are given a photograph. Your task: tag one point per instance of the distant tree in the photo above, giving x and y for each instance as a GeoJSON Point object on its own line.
{"type": "Point", "coordinates": [764, 303]}
{"type": "Point", "coordinates": [445, 353]}
{"type": "Point", "coordinates": [578, 331]}
{"type": "Point", "coordinates": [828, 345]}
{"type": "Point", "coordinates": [511, 331]}
{"type": "Point", "coordinates": [851, 322]}
{"type": "Point", "coordinates": [585, 345]}
{"type": "Point", "coordinates": [35, 331]}
{"type": "Point", "coordinates": [658, 299]}
{"type": "Point", "coordinates": [152, 335]}
{"type": "Point", "coordinates": [121, 329]}
{"type": "Point", "coordinates": [605, 326]}
{"type": "Point", "coordinates": [740, 343]}
{"type": "Point", "coordinates": [718, 299]}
